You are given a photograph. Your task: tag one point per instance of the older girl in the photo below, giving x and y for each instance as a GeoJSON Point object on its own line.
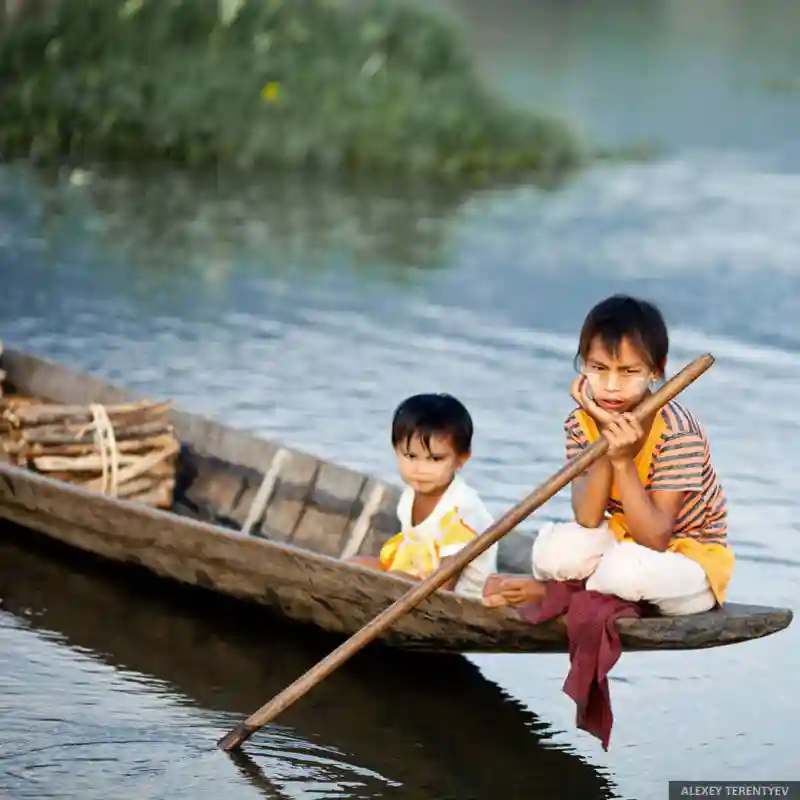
{"type": "Point", "coordinates": [650, 517]}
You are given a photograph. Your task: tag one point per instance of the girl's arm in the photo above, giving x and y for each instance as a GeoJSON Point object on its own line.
{"type": "Point", "coordinates": [590, 494]}
{"type": "Point", "coordinates": [650, 517]}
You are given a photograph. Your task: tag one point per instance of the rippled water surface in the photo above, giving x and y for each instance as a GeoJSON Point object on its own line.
{"type": "Point", "coordinates": [305, 311]}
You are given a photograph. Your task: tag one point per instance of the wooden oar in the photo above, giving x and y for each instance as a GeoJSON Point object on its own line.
{"type": "Point", "coordinates": [570, 471]}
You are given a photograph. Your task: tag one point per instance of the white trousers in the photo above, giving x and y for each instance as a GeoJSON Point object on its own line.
{"type": "Point", "coordinates": [675, 584]}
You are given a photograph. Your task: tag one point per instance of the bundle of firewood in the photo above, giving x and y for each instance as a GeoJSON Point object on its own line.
{"type": "Point", "coordinates": [127, 450]}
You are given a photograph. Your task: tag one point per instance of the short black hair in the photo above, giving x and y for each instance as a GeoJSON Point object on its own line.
{"type": "Point", "coordinates": [427, 415]}
{"type": "Point", "coordinates": [623, 317]}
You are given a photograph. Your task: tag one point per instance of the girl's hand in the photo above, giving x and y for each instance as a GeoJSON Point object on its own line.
{"type": "Point", "coordinates": [579, 393]}
{"type": "Point", "coordinates": [625, 436]}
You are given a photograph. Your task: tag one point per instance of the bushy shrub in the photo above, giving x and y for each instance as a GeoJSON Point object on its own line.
{"type": "Point", "coordinates": [325, 83]}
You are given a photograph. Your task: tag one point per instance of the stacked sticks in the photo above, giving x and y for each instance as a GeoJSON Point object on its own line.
{"type": "Point", "coordinates": [128, 450]}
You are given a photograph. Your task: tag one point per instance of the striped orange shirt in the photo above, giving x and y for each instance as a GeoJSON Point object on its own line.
{"type": "Point", "coordinates": [681, 463]}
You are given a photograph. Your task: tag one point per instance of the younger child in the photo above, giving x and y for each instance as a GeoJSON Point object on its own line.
{"type": "Point", "coordinates": [650, 516]}
{"type": "Point", "coordinates": [439, 513]}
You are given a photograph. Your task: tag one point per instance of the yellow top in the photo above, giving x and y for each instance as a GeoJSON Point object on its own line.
{"type": "Point", "coordinates": [457, 519]}
{"type": "Point", "coordinates": [717, 560]}
{"type": "Point", "coordinates": [412, 552]}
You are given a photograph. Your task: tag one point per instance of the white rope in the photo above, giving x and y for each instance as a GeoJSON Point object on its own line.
{"type": "Point", "coordinates": [106, 444]}
{"type": "Point", "coordinates": [264, 491]}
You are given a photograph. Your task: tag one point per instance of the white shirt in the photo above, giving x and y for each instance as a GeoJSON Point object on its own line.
{"type": "Point", "coordinates": [461, 497]}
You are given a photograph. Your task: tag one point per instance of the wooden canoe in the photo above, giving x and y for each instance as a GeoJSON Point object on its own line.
{"type": "Point", "coordinates": [291, 561]}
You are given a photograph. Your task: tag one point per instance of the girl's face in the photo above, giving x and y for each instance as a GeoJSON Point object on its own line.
{"type": "Point", "coordinates": [618, 381]}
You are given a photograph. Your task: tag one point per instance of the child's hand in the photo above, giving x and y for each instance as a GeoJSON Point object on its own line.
{"type": "Point", "coordinates": [624, 435]}
{"type": "Point", "coordinates": [579, 393]}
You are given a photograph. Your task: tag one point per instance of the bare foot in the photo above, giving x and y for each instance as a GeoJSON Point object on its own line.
{"type": "Point", "coordinates": [510, 590]}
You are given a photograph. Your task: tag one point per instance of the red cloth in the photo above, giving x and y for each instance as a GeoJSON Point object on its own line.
{"type": "Point", "coordinates": [594, 647]}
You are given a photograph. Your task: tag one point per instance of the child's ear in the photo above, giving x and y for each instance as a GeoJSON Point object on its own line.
{"type": "Point", "coordinates": [462, 459]}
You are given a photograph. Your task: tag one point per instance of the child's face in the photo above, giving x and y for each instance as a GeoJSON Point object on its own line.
{"type": "Point", "coordinates": [428, 470]}
{"type": "Point", "coordinates": [617, 382]}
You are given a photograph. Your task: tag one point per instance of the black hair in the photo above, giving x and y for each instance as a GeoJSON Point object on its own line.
{"type": "Point", "coordinates": [427, 415]}
{"type": "Point", "coordinates": [623, 317]}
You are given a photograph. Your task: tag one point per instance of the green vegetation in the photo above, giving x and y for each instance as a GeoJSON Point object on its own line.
{"type": "Point", "coordinates": [318, 83]}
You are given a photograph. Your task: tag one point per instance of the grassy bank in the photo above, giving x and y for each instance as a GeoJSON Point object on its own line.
{"type": "Point", "coordinates": [319, 83]}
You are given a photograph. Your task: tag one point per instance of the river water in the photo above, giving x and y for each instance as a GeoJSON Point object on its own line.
{"type": "Point", "coordinates": [306, 310]}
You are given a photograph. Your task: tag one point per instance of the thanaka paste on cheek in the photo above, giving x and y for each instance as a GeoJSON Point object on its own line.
{"type": "Point", "coordinates": [595, 383]}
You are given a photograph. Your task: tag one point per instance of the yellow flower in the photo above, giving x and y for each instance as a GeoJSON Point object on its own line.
{"type": "Point", "coordinates": [269, 93]}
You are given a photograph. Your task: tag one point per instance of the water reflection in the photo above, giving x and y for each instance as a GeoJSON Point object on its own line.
{"type": "Point", "coordinates": [424, 726]}
{"type": "Point", "coordinates": [205, 225]}
{"type": "Point", "coordinates": [254, 775]}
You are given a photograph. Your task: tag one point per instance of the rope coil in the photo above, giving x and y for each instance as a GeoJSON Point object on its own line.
{"type": "Point", "coordinates": [106, 443]}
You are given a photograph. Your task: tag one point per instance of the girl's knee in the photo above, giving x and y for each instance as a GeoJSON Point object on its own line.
{"type": "Point", "coordinates": [568, 551]}
{"type": "Point", "coordinates": [619, 573]}
{"type": "Point", "coordinates": [673, 583]}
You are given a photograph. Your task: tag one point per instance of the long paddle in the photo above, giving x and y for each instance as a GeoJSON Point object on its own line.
{"type": "Point", "coordinates": [567, 473]}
